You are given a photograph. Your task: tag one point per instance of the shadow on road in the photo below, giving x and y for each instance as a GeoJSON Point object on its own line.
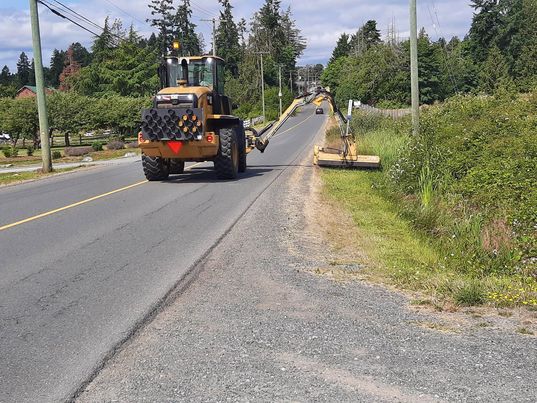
{"type": "Point", "coordinates": [207, 175]}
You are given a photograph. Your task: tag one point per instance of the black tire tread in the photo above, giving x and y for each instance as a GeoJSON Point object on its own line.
{"type": "Point", "coordinates": [177, 166]}
{"type": "Point", "coordinates": [223, 163]}
{"type": "Point", "coordinates": [242, 149]}
{"type": "Point", "coordinates": [155, 168]}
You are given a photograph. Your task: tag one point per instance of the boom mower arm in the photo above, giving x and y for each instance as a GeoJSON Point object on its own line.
{"type": "Point", "coordinates": [269, 131]}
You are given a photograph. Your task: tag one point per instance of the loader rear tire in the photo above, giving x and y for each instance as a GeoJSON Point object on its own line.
{"type": "Point", "coordinates": [242, 149]}
{"type": "Point", "coordinates": [177, 166]}
{"type": "Point", "coordinates": [155, 168]}
{"type": "Point", "coordinates": [226, 163]}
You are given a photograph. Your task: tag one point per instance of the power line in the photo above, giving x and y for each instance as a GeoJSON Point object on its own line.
{"type": "Point", "coordinates": [59, 14]}
{"type": "Point", "coordinates": [204, 10]}
{"type": "Point", "coordinates": [67, 18]}
{"type": "Point", "coordinates": [445, 54]}
{"type": "Point", "coordinates": [127, 13]}
{"type": "Point", "coordinates": [77, 15]}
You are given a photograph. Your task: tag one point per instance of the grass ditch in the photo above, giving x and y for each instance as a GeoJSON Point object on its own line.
{"type": "Point", "coordinates": [452, 213]}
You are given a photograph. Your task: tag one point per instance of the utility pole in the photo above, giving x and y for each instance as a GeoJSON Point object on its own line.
{"type": "Point", "coordinates": [40, 89]}
{"type": "Point", "coordinates": [414, 69]}
{"type": "Point", "coordinates": [262, 83]}
{"type": "Point", "coordinates": [280, 92]}
{"type": "Point", "coordinates": [213, 20]}
{"type": "Point", "coordinates": [291, 81]}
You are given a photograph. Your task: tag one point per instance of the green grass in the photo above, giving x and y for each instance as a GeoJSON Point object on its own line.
{"type": "Point", "coordinates": [23, 159]}
{"type": "Point", "coordinates": [417, 240]}
{"type": "Point", "coordinates": [10, 178]}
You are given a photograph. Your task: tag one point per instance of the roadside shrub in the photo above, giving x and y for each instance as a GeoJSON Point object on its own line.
{"type": "Point", "coordinates": [6, 151]}
{"type": "Point", "coordinates": [56, 154]}
{"type": "Point", "coordinates": [10, 152]}
{"type": "Point", "coordinates": [115, 145]}
{"type": "Point", "coordinates": [30, 150]}
{"type": "Point", "coordinates": [481, 153]}
{"type": "Point", "coordinates": [97, 146]}
{"type": "Point", "coordinates": [132, 144]}
{"type": "Point", "coordinates": [77, 151]}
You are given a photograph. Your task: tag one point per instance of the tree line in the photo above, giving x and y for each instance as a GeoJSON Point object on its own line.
{"type": "Point", "coordinates": [121, 62]}
{"type": "Point", "coordinates": [498, 52]}
{"type": "Point", "coordinates": [70, 114]}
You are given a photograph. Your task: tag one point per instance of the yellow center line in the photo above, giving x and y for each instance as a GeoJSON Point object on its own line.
{"type": "Point", "coordinates": [36, 217]}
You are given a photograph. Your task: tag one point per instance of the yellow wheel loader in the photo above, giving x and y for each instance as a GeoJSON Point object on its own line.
{"type": "Point", "coordinates": [191, 120]}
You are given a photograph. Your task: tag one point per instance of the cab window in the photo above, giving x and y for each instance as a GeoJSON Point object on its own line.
{"type": "Point", "coordinates": [220, 77]}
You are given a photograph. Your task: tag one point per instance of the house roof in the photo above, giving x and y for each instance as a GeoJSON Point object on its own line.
{"type": "Point", "coordinates": [33, 88]}
{"type": "Point", "coordinates": [30, 87]}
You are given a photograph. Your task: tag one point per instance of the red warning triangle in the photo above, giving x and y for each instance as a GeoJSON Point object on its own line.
{"type": "Point", "coordinates": [175, 146]}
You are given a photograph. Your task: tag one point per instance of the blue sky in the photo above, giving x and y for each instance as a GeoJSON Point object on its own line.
{"type": "Point", "coordinates": [321, 21]}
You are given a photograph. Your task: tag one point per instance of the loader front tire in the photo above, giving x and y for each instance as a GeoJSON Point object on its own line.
{"type": "Point", "coordinates": [226, 163]}
{"type": "Point", "coordinates": [155, 168]}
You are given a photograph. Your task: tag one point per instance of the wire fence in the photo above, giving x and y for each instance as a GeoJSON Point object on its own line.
{"type": "Point", "coordinates": [392, 113]}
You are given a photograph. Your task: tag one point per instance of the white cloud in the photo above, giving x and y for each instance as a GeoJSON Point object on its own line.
{"type": "Point", "coordinates": [321, 21]}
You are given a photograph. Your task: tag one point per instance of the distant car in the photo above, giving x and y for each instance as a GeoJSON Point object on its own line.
{"type": "Point", "coordinates": [4, 137]}
{"type": "Point", "coordinates": [89, 134]}
{"type": "Point", "coordinates": [319, 111]}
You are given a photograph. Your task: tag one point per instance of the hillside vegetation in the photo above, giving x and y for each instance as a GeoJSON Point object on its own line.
{"type": "Point", "coordinates": [460, 199]}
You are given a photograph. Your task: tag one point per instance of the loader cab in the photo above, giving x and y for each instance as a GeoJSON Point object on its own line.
{"type": "Point", "coordinates": [197, 74]}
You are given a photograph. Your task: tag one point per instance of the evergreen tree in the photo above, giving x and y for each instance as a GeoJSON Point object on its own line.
{"type": "Point", "coordinates": [152, 42]}
{"type": "Point", "coordinates": [519, 42]}
{"type": "Point", "coordinates": [103, 44]}
{"type": "Point", "coordinates": [430, 70]}
{"type": "Point", "coordinates": [23, 70]}
{"type": "Point", "coordinates": [486, 27]}
{"type": "Point", "coordinates": [343, 47]}
{"type": "Point", "coordinates": [5, 76]}
{"type": "Point", "coordinates": [275, 31]}
{"type": "Point", "coordinates": [494, 72]}
{"type": "Point", "coordinates": [162, 12]}
{"type": "Point", "coordinates": [367, 36]}
{"type": "Point", "coordinates": [8, 87]}
{"type": "Point", "coordinates": [57, 63]}
{"type": "Point", "coordinates": [185, 30]}
{"type": "Point", "coordinates": [31, 77]}
{"type": "Point", "coordinates": [80, 54]}
{"type": "Point", "coordinates": [227, 39]}
{"type": "Point", "coordinates": [128, 70]}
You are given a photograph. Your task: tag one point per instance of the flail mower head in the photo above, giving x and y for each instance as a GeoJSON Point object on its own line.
{"type": "Point", "coordinates": [346, 156]}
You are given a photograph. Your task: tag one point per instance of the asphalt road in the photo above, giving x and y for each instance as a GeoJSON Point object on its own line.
{"type": "Point", "coordinates": [76, 283]}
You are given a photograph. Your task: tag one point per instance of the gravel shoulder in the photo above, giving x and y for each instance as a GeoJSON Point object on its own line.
{"type": "Point", "coordinates": [267, 317]}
